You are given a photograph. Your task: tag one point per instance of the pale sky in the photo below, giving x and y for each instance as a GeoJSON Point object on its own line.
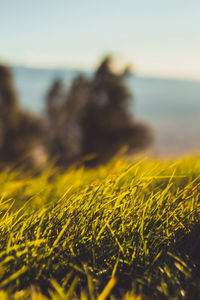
{"type": "Point", "coordinates": [159, 37]}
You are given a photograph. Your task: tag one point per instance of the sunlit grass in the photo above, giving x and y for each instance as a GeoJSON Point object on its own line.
{"type": "Point", "coordinates": [130, 230]}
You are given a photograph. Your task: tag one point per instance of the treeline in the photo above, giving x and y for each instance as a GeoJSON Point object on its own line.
{"type": "Point", "coordinates": [91, 119]}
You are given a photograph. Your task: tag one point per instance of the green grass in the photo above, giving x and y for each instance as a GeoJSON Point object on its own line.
{"type": "Point", "coordinates": [127, 230]}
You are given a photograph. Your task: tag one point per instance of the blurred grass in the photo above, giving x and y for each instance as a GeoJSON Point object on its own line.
{"type": "Point", "coordinates": [124, 231]}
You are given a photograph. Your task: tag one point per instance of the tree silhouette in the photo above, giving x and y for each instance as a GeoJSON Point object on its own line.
{"type": "Point", "coordinates": [19, 130]}
{"type": "Point", "coordinates": [93, 117]}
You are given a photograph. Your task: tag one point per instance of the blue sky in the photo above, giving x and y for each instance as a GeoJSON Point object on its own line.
{"type": "Point", "coordinates": [159, 37]}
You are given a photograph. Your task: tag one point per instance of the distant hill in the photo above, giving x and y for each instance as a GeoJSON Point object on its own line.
{"type": "Point", "coordinates": [170, 107]}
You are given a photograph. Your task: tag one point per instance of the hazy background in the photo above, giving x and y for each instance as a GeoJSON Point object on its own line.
{"type": "Point", "coordinates": [45, 39]}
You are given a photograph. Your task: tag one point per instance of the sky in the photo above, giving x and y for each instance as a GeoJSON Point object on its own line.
{"type": "Point", "coordinates": [159, 38]}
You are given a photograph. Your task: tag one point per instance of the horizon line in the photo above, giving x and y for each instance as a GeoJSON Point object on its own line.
{"type": "Point", "coordinates": [85, 70]}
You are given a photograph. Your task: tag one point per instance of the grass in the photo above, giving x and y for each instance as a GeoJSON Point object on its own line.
{"type": "Point", "coordinates": [124, 231]}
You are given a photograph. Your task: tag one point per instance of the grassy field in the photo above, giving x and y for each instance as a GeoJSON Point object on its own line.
{"type": "Point", "coordinates": [124, 231]}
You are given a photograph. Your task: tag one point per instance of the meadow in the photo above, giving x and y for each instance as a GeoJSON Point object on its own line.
{"type": "Point", "coordinates": [127, 230]}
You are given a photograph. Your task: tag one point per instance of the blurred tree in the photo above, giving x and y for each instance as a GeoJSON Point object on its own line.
{"type": "Point", "coordinates": [19, 130]}
{"type": "Point", "coordinates": [54, 99]}
{"type": "Point", "coordinates": [64, 134]}
{"type": "Point", "coordinates": [94, 117]}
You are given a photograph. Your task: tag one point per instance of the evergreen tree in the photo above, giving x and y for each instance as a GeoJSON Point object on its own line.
{"type": "Point", "coordinates": [19, 130]}
{"type": "Point", "coordinates": [94, 118]}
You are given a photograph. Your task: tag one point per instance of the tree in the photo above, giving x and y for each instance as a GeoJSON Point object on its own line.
{"type": "Point", "coordinates": [19, 131]}
{"type": "Point", "coordinates": [94, 117]}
